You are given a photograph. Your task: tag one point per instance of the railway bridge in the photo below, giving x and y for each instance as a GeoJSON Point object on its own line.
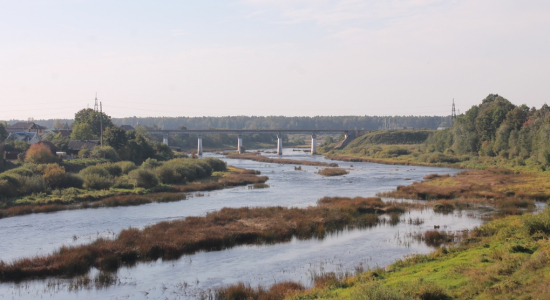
{"type": "Point", "coordinates": [241, 132]}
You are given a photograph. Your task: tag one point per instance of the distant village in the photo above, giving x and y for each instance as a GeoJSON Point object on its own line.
{"type": "Point", "coordinates": [32, 133]}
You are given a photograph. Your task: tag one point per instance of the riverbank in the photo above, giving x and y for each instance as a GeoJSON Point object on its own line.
{"type": "Point", "coordinates": [507, 258]}
{"type": "Point", "coordinates": [217, 230]}
{"type": "Point", "coordinates": [83, 199]}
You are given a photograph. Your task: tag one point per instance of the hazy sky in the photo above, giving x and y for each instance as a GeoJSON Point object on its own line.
{"type": "Point", "coordinates": [270, 57]}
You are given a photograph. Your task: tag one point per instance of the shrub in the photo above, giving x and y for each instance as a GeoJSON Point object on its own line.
{"type": "Point", "coordinates": [22, 171]}
{"type": "Point", "coordinates": [144, 178]}
{"type": "Point", "coordinates": [113, 169]}
{"type": "Point", "coordinates": [54, 176]}
{"type": "Point", "coordinates": [95, 181]}
{"type": "Point", "coordinates": [151, 164]}
{"type": "Point", "coordinates": [40, 154]}
{"type": "Point", "coordinates": [73, 181]}
{"type": "Point", "coordinates": [99, 170]}
{"type": "Point", "coordinates": [30, 185]}
{"type": "Point", "coordinates": [9, 184]}
{"type": "Point", "coordinates": [107, 152]}
{"type": "Point", "coordinates": [126, 166]}
{"type": "Point", "coordinates": [84, 152]}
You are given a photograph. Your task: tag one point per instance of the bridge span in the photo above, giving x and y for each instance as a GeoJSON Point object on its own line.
{"type": "Point", "coordinates": [240, 132]}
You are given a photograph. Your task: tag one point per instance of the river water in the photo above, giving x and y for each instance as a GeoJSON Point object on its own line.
{"type": "Point", "coordinates": [297, 260]}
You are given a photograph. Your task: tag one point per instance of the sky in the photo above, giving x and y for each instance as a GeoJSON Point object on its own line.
{"type": "Point", "coordinates": [270, 57]}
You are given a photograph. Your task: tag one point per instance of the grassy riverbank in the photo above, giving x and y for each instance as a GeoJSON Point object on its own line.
{"type": "Point", "coordinates": [507, 258]}
{"type": "Point", "coordinates": [74, 198]}
{"type": "Point", "coordinates": [217, 230]}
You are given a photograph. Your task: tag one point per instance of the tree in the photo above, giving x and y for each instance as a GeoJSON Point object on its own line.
{"type": "Point", "coordinates": [115, 137]}
{"type": "Point", "coordinates": [3, 132]}
{"type": "Point", "coordinates": [40, 154]}
{"type": "Point", "coordinates": [83, 131]}
{"type": "Point", "coordinates": [94, 119]}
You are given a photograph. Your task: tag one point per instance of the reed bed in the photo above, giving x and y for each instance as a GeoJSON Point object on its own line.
{"type": "Point", "coordinates": [332, 172]}
{"type": "Point", "coordinates": [509, 192]}
{"type": "Point", "coordinates": [278, 291]}
{"type": "Point", "coordinates": [261, 158]}
{"type": "Point", "coordinates": [218, 230]}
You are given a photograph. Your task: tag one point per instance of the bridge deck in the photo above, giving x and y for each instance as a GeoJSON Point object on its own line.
{"type": "Point", "coordinates": [252, 131]}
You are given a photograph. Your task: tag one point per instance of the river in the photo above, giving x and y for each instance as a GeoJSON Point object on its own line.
{"type": "Point", "coordinates": [297, 260]}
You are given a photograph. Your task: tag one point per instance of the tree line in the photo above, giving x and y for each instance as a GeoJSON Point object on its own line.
{"type": "Point", "coordinates": [496, 127]}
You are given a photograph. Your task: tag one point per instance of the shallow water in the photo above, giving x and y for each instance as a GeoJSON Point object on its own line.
{"type": "Point", "coordinates": [297, 260]}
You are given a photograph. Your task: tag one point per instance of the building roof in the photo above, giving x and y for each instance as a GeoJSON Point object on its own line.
{"type": "Point", "coordinates": [21, 136]}
{"type": "Point", "coordinates": [77, 145]}
{"type": "Point", "coordinates": [22, 126]}
{"type": "Point", "coordinates": [127, 127]}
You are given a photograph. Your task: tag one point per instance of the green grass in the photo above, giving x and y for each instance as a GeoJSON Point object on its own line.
{"type": "Point", "coordinates": [507, 258]}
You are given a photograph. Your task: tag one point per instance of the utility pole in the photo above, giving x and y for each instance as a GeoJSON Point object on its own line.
{"type": "Point", "coordinates": [95, 105]}
{"type": "Point", "coordinates": [100, 122]}
{"type": "Point", "coordinates": [453, 114]}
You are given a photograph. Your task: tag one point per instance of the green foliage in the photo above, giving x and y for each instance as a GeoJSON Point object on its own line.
{"type": "Point", "coordinates": [98, 169]}
{"type": "Point", "coordinates": [3, 132]}
{"type": "Point", "coordinates": [151, 164]}
{"type": "Point", "coordinates": [113, 169]}
{"type": "Point", "coordinates": [96, 182]}
{"type": "Point", "coordinates": [126, 166]}
{"type": "Point", "coordinates": [184, 170]}
{"type": "Point", "coordinates": [93, 119]}
{"type": "Point", "coordinates": [216, 164]}
{"type": "Point", "coordinates": [83, 131]}
{"type": "Point", "coordinates": [84, 152]}
{"type": "Point", "coordinates": [115, 137]}
{"type": "Point", "coordinates": [144, 178]}
{"type": "Point", "coordinates": [107, 152]}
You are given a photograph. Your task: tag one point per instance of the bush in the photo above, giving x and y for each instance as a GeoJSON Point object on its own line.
{"type": "Point", "coordinates": [40, 154]}
{"type": "Point", "coordinates": [216, 164]}
{"type": "Point", "coordinates": [54, 176]}
{"type": "Point", "coordinates": [95, 181]}
{"type": "Point", "coordinates": [126, 166]}
{"type": "Point", "coordinates": [144, 178]}
{"type": "Point", "coordinates": [30, 185]}
{"type": "Point", "coordinates": [107, 152]}
{"type": "Point", "coordinates": [21, 171]}
{"type": "Point", "coordinates": [151, 164]}
{"type": "Point", "coordinates": [99, 170]}
{"type": "Point", "coordinates": [9, 184]}
{"type": "Point", "coordinates": [113, 169]}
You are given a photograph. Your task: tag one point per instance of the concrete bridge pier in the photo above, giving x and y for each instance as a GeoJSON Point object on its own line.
{"type": "Point", "coordinates": [199, 146]}
{"type": "Point", "coordinates": [313, 144]}
{"type": "Point", "coordinates": [279, 144]}
{"type": "Point", "coordinates": [165, 139]}
{"type": "Point", "coordinates": [240, 144]}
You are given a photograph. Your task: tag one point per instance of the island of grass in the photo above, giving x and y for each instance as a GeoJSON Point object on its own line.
{"type": "Point", "coordinates": [332, 172]}
{"type": "Point", "coordinates": [35, 188]}
{"type": "Point", "coordinates": [215, 231]}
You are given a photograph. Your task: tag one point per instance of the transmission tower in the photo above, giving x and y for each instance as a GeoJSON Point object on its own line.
{"type": "Point", "coordinates": [453, 114]}
{"type": "Point", "coordinates": [96, 105]}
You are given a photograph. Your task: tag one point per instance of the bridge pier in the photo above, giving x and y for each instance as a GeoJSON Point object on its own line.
{"type": "Point", "coordinates": [279, 144]}
{"type": "Point", "coordinates": [313, 144]}
{"type": "Point", "coordinates": [240, 144]}
{"type": "Point", "coordinates": [199, 146]}
{"type": "Point", "coordinates": [165, 139]}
